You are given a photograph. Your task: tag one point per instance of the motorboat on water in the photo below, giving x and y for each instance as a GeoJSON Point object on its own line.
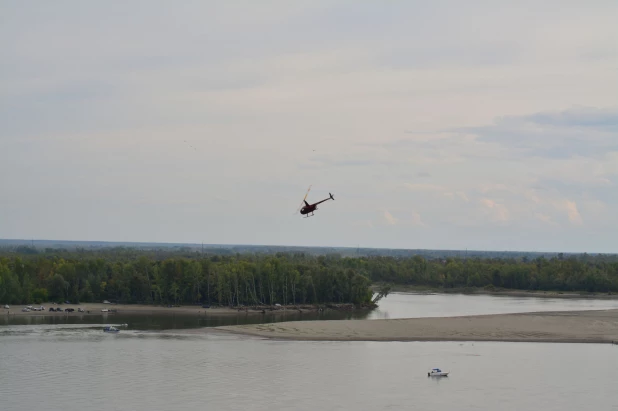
{"type": "Point", "coordinates": [436, 372]}
{"type": "Point", "coordinates": [111, 329]}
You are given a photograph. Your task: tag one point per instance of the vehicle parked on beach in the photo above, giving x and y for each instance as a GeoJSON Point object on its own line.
{"type": "Point", "coordinates": [6, 306]}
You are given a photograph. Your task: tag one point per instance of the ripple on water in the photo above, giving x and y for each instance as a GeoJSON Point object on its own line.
{"type": "Point", "coordinates": [155, 372]}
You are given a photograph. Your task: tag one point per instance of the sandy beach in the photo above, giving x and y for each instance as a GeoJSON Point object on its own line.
{"type": "Point", "coordinates": [599, 326]}
{"type": "Point", "coordinates": [142, 309]}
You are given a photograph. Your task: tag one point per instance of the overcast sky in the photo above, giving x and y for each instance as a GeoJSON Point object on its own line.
{"type": "Point", "coordinates": [445, 124]}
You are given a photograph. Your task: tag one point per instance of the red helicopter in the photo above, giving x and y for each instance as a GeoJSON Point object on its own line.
{"type": "Point", "coordinates": [310, 208]}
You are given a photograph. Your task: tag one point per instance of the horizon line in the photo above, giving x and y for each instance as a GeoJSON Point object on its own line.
{"type": "Point", "coordinates": [221, 245]}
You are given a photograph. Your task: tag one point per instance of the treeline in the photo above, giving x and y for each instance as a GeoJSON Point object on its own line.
{"type": "Point", "coordinates": [45, 246]}
{"type": "Point", "coordinates": [128, 277]}
{"type": "Point", "coordinates": [575, 273]}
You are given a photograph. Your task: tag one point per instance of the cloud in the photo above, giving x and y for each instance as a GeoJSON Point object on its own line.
{"type": "Point", "coordinates": [390, 220]}
{"type": "Point", "coordinates": [463, 196]}
{"type": "Point", "coordinates": [410, 218]}
{"type": "Point", "coordinates": [492, 187]}
{"type": "Point", "coordinates": [423, 187]}
{"type": "Point", "coordinates": [459, 194]}
{"type": "Point", "coordinates": [352, 163]}
{"type": "Point", "coordinates": [587, 117]}
{"type": "Point", "coordinates": [497, 212]}
{"type": "Point", "coordinates": [416, 219]}
{"type": "Point", "coordinates": [581, 131]}
{"type": "Point", "coordinates": [545, 218]}
{"type": "Point", "coordinates": [595, 206]}
{"type": "Point", "coordinates": [573, 212]}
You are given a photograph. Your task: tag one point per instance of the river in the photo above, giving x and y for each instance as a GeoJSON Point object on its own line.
{"type": "Point", "coordinates": [74, 366]}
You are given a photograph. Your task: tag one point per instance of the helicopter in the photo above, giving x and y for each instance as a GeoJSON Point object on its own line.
{"type": "Point", "coordinates": [310, 208]}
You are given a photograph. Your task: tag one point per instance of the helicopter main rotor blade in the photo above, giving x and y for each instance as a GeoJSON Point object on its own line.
{"type": "Point", "coordinates": [309, 189]}
{"type": "Point", "coordinates": [303, 202]}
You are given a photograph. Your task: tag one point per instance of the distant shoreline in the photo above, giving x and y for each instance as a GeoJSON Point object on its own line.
{"type": "Point", "coordinates": [404, 289]}
{"type": "Point", "coordinates": [41, 243]}
{"type": "Point", "coordinates": [598, 326]}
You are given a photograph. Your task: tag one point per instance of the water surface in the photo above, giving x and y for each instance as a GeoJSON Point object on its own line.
{"type": "Point", "coordinates": [406, 305]}
{"type": "Point", "coordinates": [79, 369]}
{"type": "Point", "coordinates": [165, 321]}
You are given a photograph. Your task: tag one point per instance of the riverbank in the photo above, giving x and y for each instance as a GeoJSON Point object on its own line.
{"type": "Point", "coordinates": [412, 289]}
{"type": "Point", "coordinates": [600, 326]}
{"type": "Point", "coordinates": [144, 309]}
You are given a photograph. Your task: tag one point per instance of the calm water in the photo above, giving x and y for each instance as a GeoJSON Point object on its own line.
{"type": "Point", "coordinates": [67, 364]}
{"type": "Point", "coordinates": [86, 369]}
{"type": "Point", "coordinates": [400, 305]}
{"type": "Point", "coordinates": [170, 321]}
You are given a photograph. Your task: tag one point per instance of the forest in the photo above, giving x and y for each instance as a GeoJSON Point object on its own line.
{"type": "Point", "coordinates": [172, 276]}
{"type": "Point", "coordinates": [127, 276]}
{"type": "Point", "coordinates": [582, 273]}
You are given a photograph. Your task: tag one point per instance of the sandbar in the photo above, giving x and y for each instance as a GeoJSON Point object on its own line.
{"type": "Point", "coordinates": [595, 326]}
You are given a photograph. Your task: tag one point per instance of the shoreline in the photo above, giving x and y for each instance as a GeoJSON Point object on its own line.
{"type": "Point", "coordinates": [402, 289]}
{"type": "Point", "coordinates": [595, 326]}
{"type": "Point", "coordinates": [94, 309]}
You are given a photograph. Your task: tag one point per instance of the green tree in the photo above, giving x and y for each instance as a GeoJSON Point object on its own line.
{"type": "Point", "coordinates": [40, 295]}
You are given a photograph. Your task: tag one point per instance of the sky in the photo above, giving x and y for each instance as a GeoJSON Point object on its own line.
{"type": "Point", "coordinates": [436, 125]}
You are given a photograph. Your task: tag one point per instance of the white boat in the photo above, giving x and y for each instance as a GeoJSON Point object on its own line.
{"type": "Point", "coordinates": [436, 372]}
{"type": "Point", "coordinates": [111, 329]}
